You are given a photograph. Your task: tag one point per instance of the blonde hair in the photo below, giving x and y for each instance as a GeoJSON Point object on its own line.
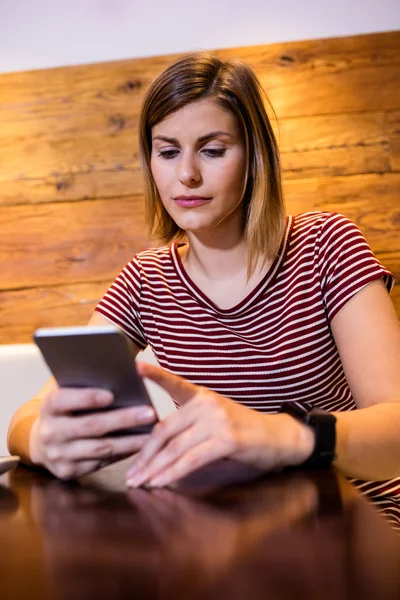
{"type": "Point", "coordinates": [235, 87]}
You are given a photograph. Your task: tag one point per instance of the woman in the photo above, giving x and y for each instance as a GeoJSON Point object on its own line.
{"type": "Point", "coordinates": [252, 312]}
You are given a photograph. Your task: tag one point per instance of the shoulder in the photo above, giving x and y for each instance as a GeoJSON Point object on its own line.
{"type": "Point", "coordinates": [323, 227]}
{"type": "Point", "coordinates": [319, 220]}
{"type": "Point", "coordinates": [143, 265]}
{"type": "Point", "coordinates": [150, 258]}
{"type": "Point", "coordinates": [156, 254]}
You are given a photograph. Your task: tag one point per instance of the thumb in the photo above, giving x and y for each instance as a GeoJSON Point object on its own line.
{"type": "Point", "coordinates": [179, 388]}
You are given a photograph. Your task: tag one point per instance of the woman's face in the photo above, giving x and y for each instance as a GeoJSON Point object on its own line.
{"type": "Point", "coordinates": [198, 164]}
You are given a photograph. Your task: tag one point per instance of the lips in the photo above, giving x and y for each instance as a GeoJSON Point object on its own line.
{"type": "Point", "coordinates": [191, 201]}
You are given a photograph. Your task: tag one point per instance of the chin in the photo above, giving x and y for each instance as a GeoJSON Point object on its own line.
{"type": "Point", "coordinates": [200, 228]}
{"type": "Point", "coordinates": [190, 224]}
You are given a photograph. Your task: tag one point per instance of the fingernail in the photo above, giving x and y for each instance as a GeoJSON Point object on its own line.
{"type": "Point", "coordinates": [136, 481]}
{"type": "Point", "coordinates": [136, 466]}
{"type": "Point", "coordinates": [131, 472]}
{"type": "Point", "coordinates": [145, 414]}
{"type": "Point", "coordinates": [103, 397]}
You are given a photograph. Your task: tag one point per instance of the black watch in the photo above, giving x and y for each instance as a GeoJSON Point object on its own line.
{"type": "Point", "coordinates": [324, 425]}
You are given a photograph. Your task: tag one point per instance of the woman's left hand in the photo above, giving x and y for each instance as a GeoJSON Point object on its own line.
{"type": "Point", "coordinates": [209, 427]}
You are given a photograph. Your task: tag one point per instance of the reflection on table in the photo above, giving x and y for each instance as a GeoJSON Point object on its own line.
{"type": "Point", "coordinates": [298, 535]}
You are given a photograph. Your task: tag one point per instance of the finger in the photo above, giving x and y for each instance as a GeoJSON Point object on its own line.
{"type": "Point", "coordinates": [98, 424]}
{"type": "Point", "coordinates": [120, 419]}
{"type": "Point", "coordinates": [167, 456]}
{"type": "Point", "coordinates": [162, 433]}
{"type": "Point", "coordinates": [66, 470]}
{"type": "Point", "coordinates": [102, 449]}
{"type": "Point", "coordinates": [65, 400]}
{"type": "Point", "coordinates": [194, 459]}
{"type": "Point", "coordinates": [178, 387]}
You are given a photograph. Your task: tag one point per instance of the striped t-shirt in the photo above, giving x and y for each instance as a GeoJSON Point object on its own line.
{"type": "Point", "coordinates": [276, 345]}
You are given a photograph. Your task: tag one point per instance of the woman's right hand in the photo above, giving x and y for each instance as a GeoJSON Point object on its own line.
{"type": "Point", "coordinates": [70, 445]}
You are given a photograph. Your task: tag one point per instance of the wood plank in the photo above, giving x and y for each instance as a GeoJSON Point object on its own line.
{"type": "Point", "coordinates": [48, 164]}
{"type": "Point", "coordinates": [94, 87]}
{"type": "Point", "coordinates": [371, 201]}
{"type": "Point", "coordinates": [71, 186]}
{"type": "Point", "coordinates": [37, 149]}
{"type": "Point", "coordinates": [69, 241]}
{"type": "Point", "coordinates": [333, 145]}
{"type": "Point", "coordinates": [335, 161]}
{"type": "Point", "coordinates": [23, 311]}
{"type": "Point", "coordinates": [45, 152]}
{"type": "Point", "coordinates": [393, 133]}
{"type": "Point", "coordinates": [298, 77]}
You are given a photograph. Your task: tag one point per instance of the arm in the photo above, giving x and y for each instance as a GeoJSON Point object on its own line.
{"type": "Point", "coordinates": [33, 428]}
{"type": "Point", "coordinates": [367, 334]}
{"type": "Point", "coordinates": [22, 422]}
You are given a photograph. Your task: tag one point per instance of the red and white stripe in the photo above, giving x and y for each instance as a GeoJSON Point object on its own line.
{"type": "Point", "coordinates": [274, 346]}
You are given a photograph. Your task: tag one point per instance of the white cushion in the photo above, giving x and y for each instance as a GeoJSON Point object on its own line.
{"type": "Point", "coordinates": [23, 373]}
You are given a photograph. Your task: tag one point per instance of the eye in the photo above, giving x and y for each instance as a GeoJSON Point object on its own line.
{"type": "Point", "coordinates": [211, 152]}
{"type": "Point", "coordinates": [168, 154]}
{"type": "Point", "coordinates": [214, 152]}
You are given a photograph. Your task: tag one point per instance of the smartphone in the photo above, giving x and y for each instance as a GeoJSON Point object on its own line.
{"type": "Point", "coordinates": [95, 356]}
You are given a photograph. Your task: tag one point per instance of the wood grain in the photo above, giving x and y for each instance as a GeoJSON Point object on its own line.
{"type": "Point", "coordinates": [71, 186]}
{"type": "Point", "coordinates": [393, 132]}
{"type": "Point", "coordinates": [71, 161]}
{"type": "Point", "coordinates": [313, 77]}
{"type": "Point", "coordinates": [71, 189]}
{"type": "Point", "coordinates": [63, 169]}
{"type": "Point", "coordinates": [371, 201]}
{"type": "Point", "coordinates": [45, 307]}
{"type": "Point", "coordinates": [69, 241]}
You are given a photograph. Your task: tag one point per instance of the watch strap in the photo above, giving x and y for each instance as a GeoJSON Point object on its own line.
{"type": "Point", "coordinates": [324, 426]}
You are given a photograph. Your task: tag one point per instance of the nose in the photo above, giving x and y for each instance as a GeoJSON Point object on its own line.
{"type": "Point", "coordinates": [188, 170]}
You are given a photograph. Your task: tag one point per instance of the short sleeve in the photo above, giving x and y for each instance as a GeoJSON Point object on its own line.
{"type": "Point", "coordinates": [346, 263]}
{"type": "Point", "coordinates": [121, 303]}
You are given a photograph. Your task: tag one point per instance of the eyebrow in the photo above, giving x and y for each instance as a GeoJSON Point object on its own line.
{"type": "Point", "coordinates": [203, 138]}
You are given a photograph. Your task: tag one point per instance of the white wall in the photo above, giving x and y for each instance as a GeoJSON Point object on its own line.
{"type": "Point", "coordinates": [36, 34]}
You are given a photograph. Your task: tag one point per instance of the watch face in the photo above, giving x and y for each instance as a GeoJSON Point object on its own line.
{"type": "Point", "coordinates": [323, 424]}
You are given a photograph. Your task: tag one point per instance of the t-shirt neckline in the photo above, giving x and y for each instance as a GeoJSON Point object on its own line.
{"type": "Point", "coordinates": [267, 280]}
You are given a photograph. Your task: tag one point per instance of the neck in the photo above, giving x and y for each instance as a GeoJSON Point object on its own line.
{"type": "Point", "coordinates": [217, 257]}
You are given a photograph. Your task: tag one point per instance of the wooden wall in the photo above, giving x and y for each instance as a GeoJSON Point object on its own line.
{"type": "Point", "coordinates": [70, 184]}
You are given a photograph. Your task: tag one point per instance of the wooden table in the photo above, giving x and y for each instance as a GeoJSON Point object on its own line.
{"type": "Point", "coordinates": [298, 535]}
